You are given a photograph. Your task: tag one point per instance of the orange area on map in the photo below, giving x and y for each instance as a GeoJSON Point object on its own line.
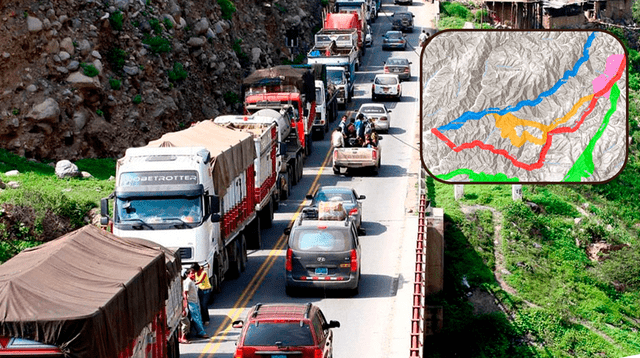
{"type": "Point", "coordinates": [508, 123]}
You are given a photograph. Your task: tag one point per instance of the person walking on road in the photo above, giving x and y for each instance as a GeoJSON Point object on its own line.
{"type": "Point", "coordinates": [423, 37]}
{"type": "Point", "coordinates": [190, 295]}
{"type": "Point", "coordinates": [204, 291]}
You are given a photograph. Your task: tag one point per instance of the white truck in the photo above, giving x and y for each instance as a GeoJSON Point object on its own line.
{"type": "Point", "coordinates": [288, 158]}
{"type": "Point", "coordinates": [266, 164]}
{"type": "Point", "coordinates": [192, 190]}
{"type": "Point", "coordinates": [341, 65]}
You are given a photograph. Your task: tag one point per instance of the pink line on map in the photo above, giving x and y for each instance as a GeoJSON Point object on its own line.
{"type": "Point", "coordinates": [611, 67]}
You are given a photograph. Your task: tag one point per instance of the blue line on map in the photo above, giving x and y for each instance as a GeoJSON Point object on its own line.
{"type": "Point", "coordinates": [486, 139]}
{"type": "Point", "coordinates": [460, 121]}
{"type": "Point", "coordinates": [458, 89]}
{"type": "Point", "coordinates": [606, 150]}
{"type": "Point", "coordinates": [433, 114]}
{"type": "Point", "coordinates": [429, 79]}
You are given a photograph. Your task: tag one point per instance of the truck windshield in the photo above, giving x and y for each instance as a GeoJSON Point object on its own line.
{"type": "Point", "coordinates": [152, 210]}
{"type": "Point", "coordinates": [335, 76]}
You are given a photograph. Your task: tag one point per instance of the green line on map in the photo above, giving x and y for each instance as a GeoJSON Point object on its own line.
{"type": "Point", "coordinates": [583, 167]}
{"type": "Point", "coordinates": [477, 177]}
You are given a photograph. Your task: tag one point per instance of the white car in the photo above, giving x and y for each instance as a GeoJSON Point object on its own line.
{"type": "Point", "coordinates": [368, 38]}
{"type": "Point", "coordinates": [386, 85]}
{"type": "Point", "coordinates": [378, 114]}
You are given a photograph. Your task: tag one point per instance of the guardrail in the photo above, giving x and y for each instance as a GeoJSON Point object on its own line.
{"type": "Point", "coordinates": [418, 305]}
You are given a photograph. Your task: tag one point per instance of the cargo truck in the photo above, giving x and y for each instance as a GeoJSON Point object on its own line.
{"type": "Point", "coordinates": [284, 86]}
{"type": "Point", "coordinates": [289, 154]}
{"type": "Point", "coordinates": [348, 20]}
{"type": "Point", "coordinates": [194, 190]}
{"type": "Point", "coordinates": [341, 65]}
{"type": "Point", "coordinates": [91, 294]}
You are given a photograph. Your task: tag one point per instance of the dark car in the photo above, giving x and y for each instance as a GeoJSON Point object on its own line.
{"type": "Point", "coordinates": [403, 2]}
{"type": "Point", "coordinates": [349, 198]}
{"type": "Point", "coordinates": [394, 40]}
{"type": "Point", "coordinates": [322, 254]}
{"type": "Point", "coordinates": [398, 66]}
{"type": "Point", "coordinates": [402, 21]}
{"type": "Point", "coordinates": [285, 330]}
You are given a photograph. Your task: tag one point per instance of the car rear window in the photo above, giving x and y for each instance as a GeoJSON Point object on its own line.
{"type": "Point", "coordinates": [288, 333]}
{"type": "Point", "coordinates": [397, 61]}
{"type": "Point", "coordinates": [378, 110]}
{"type": "Point", "coordinates": [394, 35]}
{"type": "Point", "coordinates": [329, 196]}
{"type": "Point", "coordinates": [386, 81]}
{"type": "Point", "coordinates": [319, 240]}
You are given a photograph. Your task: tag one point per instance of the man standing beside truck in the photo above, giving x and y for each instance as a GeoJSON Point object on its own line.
{"type": "Point", "coordinates": [190, 294]}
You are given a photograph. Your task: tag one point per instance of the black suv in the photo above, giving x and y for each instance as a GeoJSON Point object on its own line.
{"type": "Point", "coordinates": [403, 21]}
{"type": "Point", "coordinates": [322, 254]}
{"type": "Point", "coordinates": [285, 330]}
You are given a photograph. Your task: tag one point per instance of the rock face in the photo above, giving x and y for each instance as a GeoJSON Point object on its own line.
{"type": "Point", "coordinates": [91, 78]}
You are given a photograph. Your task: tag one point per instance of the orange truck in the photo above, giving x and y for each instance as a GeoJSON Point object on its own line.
{"type": "Point", "coordinates": [345, 21]}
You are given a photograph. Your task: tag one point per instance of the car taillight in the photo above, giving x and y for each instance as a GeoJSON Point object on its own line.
{"type": "Point", "coordinates": [238, 353]}
{"type": "Point", "coordinates": [335, 155]}
{"type": "Point", "coordinates": [374, 155]}
{"type": "Point", "coordinates": [288, 263]}
{"type": "Point", "coordinates": [317, 353]}
{"type": "Point", "coordinates": [398, 88]}
{"type": "Point", "coordinates": [383, 118]}
{"type": "Point", "coordinates": [386, 70]}
{"type": "Point", "coordinates": [373, 88]}
{"type": "Point", "coordinates": [353, 211]}
{"type": "Point", "coordinates": [354, 260]}
{"type": "Point", "coordinates": [406, 69]}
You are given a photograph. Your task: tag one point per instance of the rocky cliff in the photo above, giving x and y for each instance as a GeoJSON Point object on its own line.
{"type": "Point", "coordinates": [90, 78]}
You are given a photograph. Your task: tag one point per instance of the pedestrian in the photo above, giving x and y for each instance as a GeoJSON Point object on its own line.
{"type": "Point", "coordinates": [423, 37]}
{"type": "Point", "coordinates": [185, 325]}
{"type": "Point", "coordinates": [204, 291]}
{"type": "Point", "coordinates": [337, 139]}
{"type": "Point", "coordinates": [343, 124]}
{"type": "Point", "coordinates": [190, 296]}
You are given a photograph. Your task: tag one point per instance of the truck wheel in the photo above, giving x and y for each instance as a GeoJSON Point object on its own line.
{"type": "Point", "coordinates": [287, 190]}
{"type": "Point", "coordinates": [173, 348]}
{"type": "Point", "coordinates": [276, 203]}
{"type": "Point", "coordinates": [235, 265]}
{"type": "Point", "coordinates": [294, 172]}
{"type": "Point", "coordinates": [266, 216]}
{"type": "Point", "coordinates": [300, 167]}
{"type": "Point", "coordinates": [308, 142]}
{"type": "Point", "coordinates": [253, 235]}
{"type": "Point", "coordinates": [216, 278]}
{"type": "Point", "coordinates": [243, 255]}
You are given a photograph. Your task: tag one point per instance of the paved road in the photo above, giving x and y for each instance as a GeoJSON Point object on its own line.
{"type": "Point", "coordinates": [376, 322]}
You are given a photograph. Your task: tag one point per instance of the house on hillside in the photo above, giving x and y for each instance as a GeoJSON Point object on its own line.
{"type": "Point", "coordinates": [557, 14]}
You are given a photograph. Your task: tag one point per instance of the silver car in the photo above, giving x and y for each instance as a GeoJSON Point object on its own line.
{"type": "Point", "coordinates": [350, 201]}
{"type": "Point", "coordinates": [386, 86]}
{"type": "Point", "coordinates": [378, 114]}
{"type": "Point", "coordinates": [399, 66]}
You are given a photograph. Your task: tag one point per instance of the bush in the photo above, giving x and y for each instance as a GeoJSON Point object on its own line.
{"type": "Point", "coordinates": [137, 99]}
{"type": "Point", "coordinates": [178, 73]}
{"type": "Point", "coordinates": [116, 58]}
{"type": "Point", "coordinates": [167, 23]}
{"type": "Point", "coordinates": [114, 83]}
{"type": "Point", "coordinates": [155, 26]}
{"type": "Point", "coordinates": [116, 20]}
{"type": "Point", "coordinates": [89, 69]}
{"type": "Point", "coordinates": [228, 9]}
{"type": "Point", "coordinates": [455, 10]}
{"type": "Point", "coordinates": [243, 57]}
{"type": "Point", "coordinates": [481, 15]}
{"type": "Point", "coordinates": [157, 44]}
{"type": "Point", "coordinates": [99, 112]}
{"type": "Point", "coordinates": [230, 98]}
{"type": "Point", "coordinates": [622, 267]}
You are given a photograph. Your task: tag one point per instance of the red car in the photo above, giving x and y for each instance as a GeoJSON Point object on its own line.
{"type": "Point", "coordinates": [284, 331]}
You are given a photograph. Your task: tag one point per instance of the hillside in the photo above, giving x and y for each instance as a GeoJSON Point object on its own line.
{"type": "Point", "coordinates": [89, 78]}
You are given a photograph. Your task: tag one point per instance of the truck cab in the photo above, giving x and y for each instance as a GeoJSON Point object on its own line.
{"type": "Point", "coordinates": [341, 78]}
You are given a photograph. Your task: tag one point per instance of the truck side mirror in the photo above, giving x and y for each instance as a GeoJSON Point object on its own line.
{"type": "Point", "coordinates": [287, 231]}
{"type": "Point", "coordinates": [215, 218]}
{"type": "Point", "coordinates": [214, 204]}
{"type": "Point", "coordinates": [282, 148]}
{"type": "Point", "coordinates": [104, 208]}
{"type": "Point", "coordinates": [305, 112]}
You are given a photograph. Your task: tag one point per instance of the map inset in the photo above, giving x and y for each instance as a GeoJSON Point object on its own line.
{"type": "Point", "coordinates": [524, 106]}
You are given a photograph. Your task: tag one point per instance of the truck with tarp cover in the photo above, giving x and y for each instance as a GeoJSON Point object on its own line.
{"type": "Point", "coordinates": [280, 87]}
{"type": "Point", "coordinates": [192, 189]}
{"type": "Point", "coordinates": [91, 294]}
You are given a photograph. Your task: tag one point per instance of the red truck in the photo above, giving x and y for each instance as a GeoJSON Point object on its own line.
{"type": "Point", "coordinates": [280, 87]}
{"type": "Point", "coordinates": [91, 294]}
{"type": "Point", "coordinates": [345, 21]}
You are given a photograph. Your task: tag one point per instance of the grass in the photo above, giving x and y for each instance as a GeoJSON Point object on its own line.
{"type": "Point", "coordinates": [454, 15]}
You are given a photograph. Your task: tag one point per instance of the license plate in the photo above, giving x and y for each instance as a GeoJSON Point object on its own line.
{"type": "Point", "coordinates": [397, 70]}
{"type": "Point", "coordinates": [385, 89]}
{"type": "Point", "coordinates": [278, 356]}
{"type": "Point", "coordinates": [322, 271]}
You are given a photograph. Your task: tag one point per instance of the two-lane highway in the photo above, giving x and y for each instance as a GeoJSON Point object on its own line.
{"type": "Point", "coordinates": [376, 322]}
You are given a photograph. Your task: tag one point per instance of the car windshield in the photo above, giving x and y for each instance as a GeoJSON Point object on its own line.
{"type": "Point", "coordinates": [329, 195]}
{"type": "Point", "coordinates": [334, 76]}
{"type": "Point", "coordinates": [386, 80]}
{"type": "Point", "coordinates": [404, 16]}
{"type": "Point", "coordinates": [397, 61]}
{"type": "Point", "coordinates": [395, 35]}
{"type": "Point", "coordinates": [372, 110]}
{"type": "Point", "coordinates": [269, 333]}
{"type": "Point", "coordinates": [323, 240]}
{"type": "Point", "coordinates": [154, 210]}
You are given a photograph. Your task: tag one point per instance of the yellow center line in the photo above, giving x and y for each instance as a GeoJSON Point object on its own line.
{"type": "Point", "coordinates": [225, 327]}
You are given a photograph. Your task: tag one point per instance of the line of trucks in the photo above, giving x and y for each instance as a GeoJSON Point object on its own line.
{"type": "Point", "coordinates": [201, 194]}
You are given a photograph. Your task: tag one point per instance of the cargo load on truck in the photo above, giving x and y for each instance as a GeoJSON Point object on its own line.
{"type": "Point", "coordinates": [346, 21]}
{"type": "Point", "coordinates": [91, 294]}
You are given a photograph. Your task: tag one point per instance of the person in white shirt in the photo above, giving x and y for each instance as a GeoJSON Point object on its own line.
{"type": "Point", "coordinates": [190, 295]}
{"type": "Point", "coordinates": [337, 139]}
{"type": "Point", "coordinates": [423, 37]}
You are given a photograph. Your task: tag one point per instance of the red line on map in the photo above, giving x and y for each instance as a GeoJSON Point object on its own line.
{"type": "Point", "coordinates": [547, 144]}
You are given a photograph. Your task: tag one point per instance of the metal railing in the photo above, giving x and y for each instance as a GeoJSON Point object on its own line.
{"type": "Point", "coordinates": [417, 316]}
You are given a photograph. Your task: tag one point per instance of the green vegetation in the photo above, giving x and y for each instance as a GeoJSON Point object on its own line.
{"type": "Point", "coordinates": [137, 99]}
{"type": "Point", "coordinates": [116, 57]}
{"type": "Point", "coordinates": [453, 15]}
{"type": "Point", "coordinates": [167, 23]}
{"type": "Point", "coordinates": [155, 26]}
{"type": "Point", "coordinates": [99, 112]}
{"type": "Point", "coordinates": [635, 10]}
{"type": "Point", "coordinates": [242, 56]}
{"type": "Point", "coordinates": [299, 59]}
{"type": "Point", "coordinates": [115, 83]}
{"type": "Point", "coordinates": [89, 69]}
{"type": "Point", "coordinates": [116, 20]}
{"type": "Point", "coordinates": [280, 8]}
{"type": "Point", "coordinates": [157, 44]}
{"type": "Point", "coordinates": [15, 111]}
{"type": "Point", "coordinates": [230, 98]}
{"type": "Point", "coordinates": [178, 73]}
{"type": "Point", "coordinates": [228, 9]}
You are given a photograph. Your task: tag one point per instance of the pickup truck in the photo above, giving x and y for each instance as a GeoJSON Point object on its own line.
{"type": "Point", "coordinates": [355, 157]}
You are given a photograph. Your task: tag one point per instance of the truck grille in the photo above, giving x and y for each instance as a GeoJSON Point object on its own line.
{"type": "Point", "coordinates": [185, 253]}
